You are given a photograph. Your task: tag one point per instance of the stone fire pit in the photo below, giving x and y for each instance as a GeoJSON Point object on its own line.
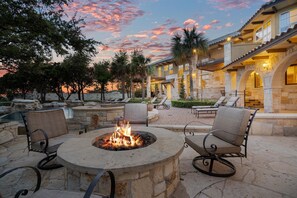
{"type": "Point", "coordinates": [152, 171]}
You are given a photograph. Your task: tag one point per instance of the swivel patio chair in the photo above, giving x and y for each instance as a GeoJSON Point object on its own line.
{"type": "Point", "coordinates": [216, 105]}
{"type": "Point", "coordinates": [230, 103]}
{"type": "Point", "coordinates": [46, 130]}
{"type": "Point", "coordinates": [136, 113]}
{"type": "Point", "coordinates": [162, 104]}
{"type": "Point", "coordinates": [227, 138]}
{"type": "Point", "coordinates": [37, 192]}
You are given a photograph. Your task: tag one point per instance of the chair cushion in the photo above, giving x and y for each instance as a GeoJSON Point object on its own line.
{"type": "Point", "coordinates": [230, 124]}
{"type": "Point", "coordinates": [232, 101]}
{"type": "Point", "coordinates": [44, 193]}
{"type": "Point", "coordinates": [196, 142]}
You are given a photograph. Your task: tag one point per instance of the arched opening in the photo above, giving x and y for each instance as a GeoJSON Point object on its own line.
{"type": "Point", "coordinates": [251, 89]}
{"type": "Point", "coordinates": [284, 85]}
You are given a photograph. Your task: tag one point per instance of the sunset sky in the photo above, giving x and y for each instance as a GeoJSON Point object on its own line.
{"type": "Point", "coordinates": [150, 24]}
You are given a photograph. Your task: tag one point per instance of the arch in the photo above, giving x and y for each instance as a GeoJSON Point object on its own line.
{"type": "Point", "coordinates": [278, 75]}
{"type": "Point", "coordinates": [244, 77]}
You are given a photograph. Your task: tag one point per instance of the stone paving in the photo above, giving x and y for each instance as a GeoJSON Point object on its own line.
{"type": "Point", "coordinates": [269, 171]}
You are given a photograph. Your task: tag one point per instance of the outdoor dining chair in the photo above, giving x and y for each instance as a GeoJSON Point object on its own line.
{"type": "Point", "coordinates": [47, 193]}
{"type": "Point", "coordinates": [230, 103]}
{"type": "Point", "coordinates": [227, 138]}
{"type": "Point", "coordinates": [136, 113]}
{"type": "Point", "coordinates": [46, 130]}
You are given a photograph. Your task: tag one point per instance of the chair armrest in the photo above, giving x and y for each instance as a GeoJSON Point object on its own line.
{"type": "Point", "coordinates": [25, 191]}
{"type": "Point", "coordinates": [189, 123]}
{"type": "Point", "coordinates": [95, 181]}
{"type": "Point", "coordinates": [41, 141]}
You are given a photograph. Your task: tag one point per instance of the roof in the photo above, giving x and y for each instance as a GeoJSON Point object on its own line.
{"type": "Point", "coordinates": [279, 38]}
{"type": "Point", "coordinates": [162, 61]}
{"type": "Point", "coordinates": [263, 7]}
{"type": "Point", "coordinates": [223, 38]}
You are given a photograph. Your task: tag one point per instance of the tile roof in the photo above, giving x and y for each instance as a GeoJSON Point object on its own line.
{"type": "Point", "coordinates": [292, 31]}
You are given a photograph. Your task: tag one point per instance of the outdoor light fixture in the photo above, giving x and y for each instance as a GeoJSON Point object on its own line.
{"type": "Point", "coordinates": [194, 51]}
{"type": "Point", "coordinates": [265, 66]}
{"type": "Point", "coordinates": [229, 39]}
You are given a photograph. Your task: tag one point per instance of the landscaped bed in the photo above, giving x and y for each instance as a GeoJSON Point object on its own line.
{"type": "Point", "coordinates": [190, 103]}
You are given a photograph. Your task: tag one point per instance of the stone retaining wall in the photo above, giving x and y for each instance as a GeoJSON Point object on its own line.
{"type": "Point", "coordinates": [8, 131]}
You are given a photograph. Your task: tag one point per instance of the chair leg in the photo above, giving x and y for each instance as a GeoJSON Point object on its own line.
{"type": "Point", "coordinates": [43, 163]}
{"type": "Point", "coordinates": [210, 171]}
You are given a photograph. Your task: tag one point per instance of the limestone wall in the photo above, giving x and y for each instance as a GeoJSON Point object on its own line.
{"type": "Point", "coordinates": [213, 84]}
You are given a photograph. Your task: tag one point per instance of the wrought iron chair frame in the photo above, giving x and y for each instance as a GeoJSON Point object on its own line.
{"type": "Point", "coordinates": [211, 153]}
{"type": "Point", "coordinates": [51, 154]}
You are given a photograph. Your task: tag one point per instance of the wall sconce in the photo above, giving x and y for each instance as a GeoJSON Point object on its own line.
{"type": "Point", "coordinates": [194, 51]}
{"type": "Point", "coordinates": [229, 39]}
{"type": "Point", "coordinates": [265, 66]}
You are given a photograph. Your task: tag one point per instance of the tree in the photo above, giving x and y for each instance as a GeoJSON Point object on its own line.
{"type": "Point", "coordinates": [30, 30]}
{"type": "Point", "coordinates": [77, 75]}
{"type": "Point", "coordinates": [182, 93]}
{"type": "Point", "coordinates": [140, 64]}
{"type": "Point", "coordinates": [119, 68]}
{"type": "Point", "coordinates": [185, 48]}
{"type": "Point", "coordinates": [102, 75]}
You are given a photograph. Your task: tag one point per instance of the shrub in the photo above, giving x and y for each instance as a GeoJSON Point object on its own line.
{"type": "Point", "coordinates": [190, 103]}
{"type": "Point", "coordinates": [138, 100]}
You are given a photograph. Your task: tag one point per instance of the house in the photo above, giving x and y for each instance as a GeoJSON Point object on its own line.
{"type": "Point", "coordinates": [258, 62]}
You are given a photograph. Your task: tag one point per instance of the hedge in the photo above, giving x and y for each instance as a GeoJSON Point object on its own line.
{"type": "Point", "coordinates": [190, 103]}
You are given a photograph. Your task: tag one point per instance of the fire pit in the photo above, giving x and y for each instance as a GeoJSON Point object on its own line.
{"type": "Point", "coordinates": [150, 171]}
{"type": "Point", "coordinates": [123, 139]}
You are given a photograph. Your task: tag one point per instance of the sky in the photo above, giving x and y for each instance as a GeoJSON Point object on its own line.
{"type": "Point", "coordinates": [150, 24]}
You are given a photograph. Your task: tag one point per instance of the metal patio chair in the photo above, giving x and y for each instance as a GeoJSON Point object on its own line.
{"type": "Point", "coordinates": [37, 192]}
{"type": "Point", "coordinates": [230, 103]}
{"type": "Point", "coordinates": [227, 138]}
{"type": "Point", "coordinates": [46, 130]}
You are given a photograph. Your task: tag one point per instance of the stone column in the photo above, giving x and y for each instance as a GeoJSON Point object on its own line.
{"type": "Point", "coordinates": [227, 83]}
{"type": "Point", "coordinates": [148, 86]}
{"type": "Point", "coordinates": [272, 100]}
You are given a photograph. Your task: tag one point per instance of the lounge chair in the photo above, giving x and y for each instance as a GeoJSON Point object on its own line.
{"type": "Point", "coordinates": [46, 131]}
{"type": "Point", "coordinates": [162, 104]}
{"type": "Point", "coordinates": [217, 104]}
{"type": "Point", "coordinates": [125, 100]}
{"type": "Point", "coordinates": [60, 193]}
{"type": "Point", "coordinates": [227, 138]}
{"type": "Point", "coordinates": [136, 113]}
{"type": "Point", "coordinates": [153, 100]}
{"type": "Point", "coordinates": [230, 103]}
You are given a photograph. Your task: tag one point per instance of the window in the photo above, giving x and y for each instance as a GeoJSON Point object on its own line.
{"type": "Point", "coordinates": [259, 35]}
{"type": "Point", "coordinates": [180, 71]}
{"type": "Point", "coordinates": [187, 67]}
{"type": "Point", "coordinates": [287, 19]}
{"type": "Point", "coordinates": [264, 33]}
{"type": "Point", "coordinates": [258, 81]}
{"type": "Point", "coordinates": [291, 75]}
{"type": "Point", "coordinates": [171, 69]}
{"type": "Point", "coordinates": [159, 71]}
{"type": "Point", "coordinates": [166, 68]}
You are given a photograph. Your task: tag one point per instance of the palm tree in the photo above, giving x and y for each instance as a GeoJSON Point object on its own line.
{"type": "Point", "coordinates": [139, 62]}
{"type": "Point", "coordinates": [119, 68]}
{"type": "Point", "coordinates": [185, 48]}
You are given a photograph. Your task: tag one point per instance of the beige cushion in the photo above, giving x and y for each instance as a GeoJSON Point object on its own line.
{"type": "Point", "coordinates": [232, 101]}
{"type": "Point", "coordinates": [53, 122]}
{"type": "Point", "coordinates": [230, 124]}
{"type": "Point", "coordinates": [44, 193]}
{"type": "Point", "coordinates": [136, 113]}
{"type": "Point", "coordinates": [196, 142]}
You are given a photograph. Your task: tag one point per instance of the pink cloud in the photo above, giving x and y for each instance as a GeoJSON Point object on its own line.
{"type": "Point", "coordinates": [215, 21]}
{"type": "Point", "coordinates": [206, 27]}
{"type": "Point", "coordinates": [232, 4]}
{"type": "Point", "coordinates": [154, 37]}
{"type": "Point", "coordinates": [159, 30]}
{"type": "Point", "coordinates": [105, 15]}
{"type": "Point", "coordinates": [189, 22]}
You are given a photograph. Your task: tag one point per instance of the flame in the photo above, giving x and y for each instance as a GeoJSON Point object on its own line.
{"type": "Point", "coordinates": [122, 137]}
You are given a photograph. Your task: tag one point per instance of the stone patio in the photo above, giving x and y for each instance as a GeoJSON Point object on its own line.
{"type": "Point", "coordinates": [269, 171]}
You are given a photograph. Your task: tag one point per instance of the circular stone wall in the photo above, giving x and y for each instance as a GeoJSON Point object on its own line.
{"type": "Point", "coordinates": [151, 171]}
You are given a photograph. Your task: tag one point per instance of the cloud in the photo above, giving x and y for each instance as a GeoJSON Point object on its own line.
{"type": "Point", "coordinates": [232, 4]}
{"type": "Point", "coordinates": [154, 37]}
{"type": "Point", "coordinates": [207, 27]}
{"type": "Point", "coordinates": [139, 35]}
{"type": "Point", "coordinates": [189, 22]}
{"type": "Point", "coordinates": [229, 24]}
{"type": "Point", "coordinates": [105, 15]}
{"type": "Point", "coordinates": [215, 21]}
{"type": "Point", "coordinates": [159, 30]}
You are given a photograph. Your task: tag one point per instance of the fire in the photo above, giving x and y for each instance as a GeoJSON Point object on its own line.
{"type": "Point", "coordinates": [122, 138]}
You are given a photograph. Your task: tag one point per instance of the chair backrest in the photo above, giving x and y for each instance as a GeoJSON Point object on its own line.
{"type": "Point", "coordinates": [231, 124]}
{"type": "Point", "coordinates": [163, 100]}
{"type": "Point", "coordinates": [136, 113]}
{"type": "Point", "coordinates": [220, 101]}
{"type": "Point", "coordinates": [232, 101]}
{"type": "Point", "coordinates": [53, 122]}
{"type": "Point", "coordinates": [154, 99]}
